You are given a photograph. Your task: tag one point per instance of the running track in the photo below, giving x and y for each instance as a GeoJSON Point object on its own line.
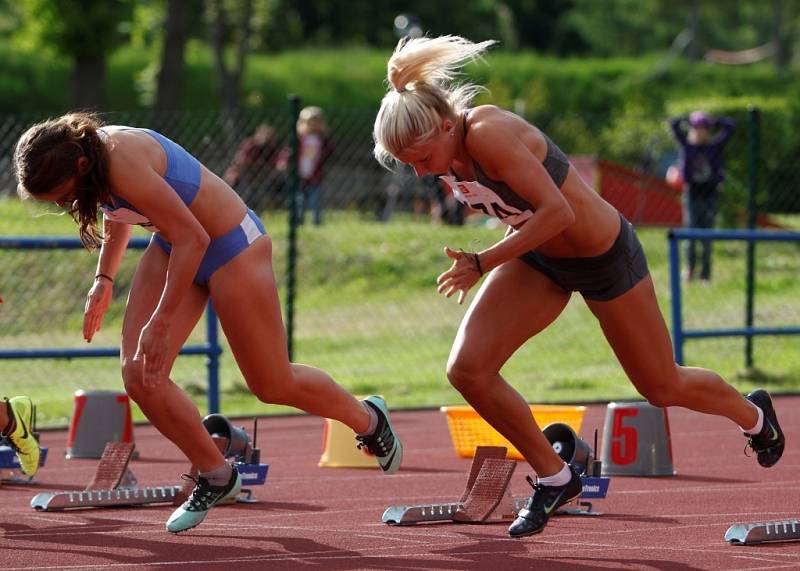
{"type": "Point", "coordinates": [322, 518]}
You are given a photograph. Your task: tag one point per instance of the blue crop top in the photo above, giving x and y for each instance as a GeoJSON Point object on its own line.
{"type": "Point", "coordinates": [182, 174]}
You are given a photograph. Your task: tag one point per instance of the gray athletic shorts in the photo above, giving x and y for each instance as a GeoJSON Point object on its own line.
{"type": "Point", "coordinates": [602, 277]}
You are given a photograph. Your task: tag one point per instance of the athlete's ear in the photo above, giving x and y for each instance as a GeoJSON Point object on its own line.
{"type": "Point", "coordinates": [83, 165]}
{"type": "Point", "coordinates": [447, 125]}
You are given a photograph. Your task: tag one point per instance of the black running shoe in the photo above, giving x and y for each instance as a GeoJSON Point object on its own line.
{"type": "Point", "coordinates": [768, 444]}
{"type": "Point", "coordinates": [383, 443]}
{"type": "Point", "coordinates": [543, 503]}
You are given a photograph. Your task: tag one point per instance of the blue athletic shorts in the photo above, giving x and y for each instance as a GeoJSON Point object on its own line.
{"type": "Point", "coordinates": [602, 277]}
{"type": "Point", "coordinates": [223, 249]}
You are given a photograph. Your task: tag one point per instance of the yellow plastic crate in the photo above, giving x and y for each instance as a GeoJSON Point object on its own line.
{"type": "Point", "coordinates": [468, 430]}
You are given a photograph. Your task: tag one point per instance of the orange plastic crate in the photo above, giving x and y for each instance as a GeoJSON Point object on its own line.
{"type": "Point", "coordinates": [468, 430]}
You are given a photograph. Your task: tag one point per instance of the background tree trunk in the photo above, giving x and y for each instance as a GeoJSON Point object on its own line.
{"type": "Point", "coordinates": [230, 78]}
{"type": "Point", "coordinates": [693, 48]}
{"type": "Point", "coordinates": [782, 35]}
{"type": "Point", "coordinates": [169, 89]}
{"type": "Point", "coordinates": [88, 81]}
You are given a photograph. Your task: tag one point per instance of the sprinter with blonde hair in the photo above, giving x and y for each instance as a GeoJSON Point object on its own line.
{"type": "Point", "coordinates": [562, 237]}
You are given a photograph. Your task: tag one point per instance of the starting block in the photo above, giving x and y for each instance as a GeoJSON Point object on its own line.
{"type": "Point", "coordinates": [114, 484]}
{"type": "Point", "coordinates": [768, 532]}
{"type": "Point", "coordinates": [486, 497]}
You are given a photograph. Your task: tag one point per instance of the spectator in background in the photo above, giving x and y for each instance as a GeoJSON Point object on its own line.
{"type": "Point", "coordinates": [253, 173]}
{"type": "Point", "coordinates": [315, 148]}
{"type": "Point", "coordinates": [702, 139]}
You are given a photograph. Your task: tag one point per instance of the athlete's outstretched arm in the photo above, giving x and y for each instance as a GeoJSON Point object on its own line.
{"type": "Point", "coordinates": [115, 241]}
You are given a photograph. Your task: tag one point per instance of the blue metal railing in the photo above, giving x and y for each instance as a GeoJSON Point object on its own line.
{"type": "Point", "coordinates": [679, 334]}
{"type": "Point", "coordinates": [211, 348]}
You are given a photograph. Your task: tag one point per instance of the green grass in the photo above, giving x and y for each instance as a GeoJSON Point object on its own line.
{"type": "Point", "coordinates": [368, 313]}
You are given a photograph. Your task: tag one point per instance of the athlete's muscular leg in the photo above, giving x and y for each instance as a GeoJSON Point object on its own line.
{"type": "Point", "coordinates": [246, 300]}
{"type": "Point", "coordinates": [635, 328]}
{"type": "Point", "coordinates": [515, 303]}
{"type": "Point", "coordinates": [170, 410]}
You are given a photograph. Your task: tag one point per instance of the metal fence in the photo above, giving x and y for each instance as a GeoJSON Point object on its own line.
{"type": "Point", "coordinates": [748, 330]}
{"type": "Point", "coordinates": [365, 307]}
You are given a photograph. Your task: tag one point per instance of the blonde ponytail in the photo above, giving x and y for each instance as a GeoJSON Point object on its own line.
{"type": "Point", "coordinates": [420, 74]}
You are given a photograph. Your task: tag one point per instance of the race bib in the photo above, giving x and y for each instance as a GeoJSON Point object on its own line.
{"type": "Point", "coordinates": [479, 197]}
{"type": "Point", "coordinates": [128, 216]}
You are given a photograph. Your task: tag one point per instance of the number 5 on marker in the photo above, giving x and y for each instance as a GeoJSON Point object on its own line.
{"type": "Point", "coordinates": [624, 439]}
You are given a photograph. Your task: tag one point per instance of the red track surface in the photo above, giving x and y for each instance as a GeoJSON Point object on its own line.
{"type": "Point", "coordinates": [324, 518]}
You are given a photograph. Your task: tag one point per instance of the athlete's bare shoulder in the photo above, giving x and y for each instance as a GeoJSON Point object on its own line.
{"type": "Point", "coordinates": [130, 150]}
{"type": "Point", "coordinates": [494, 134]}
{"type": "Point", "coordinates": [493, 115]}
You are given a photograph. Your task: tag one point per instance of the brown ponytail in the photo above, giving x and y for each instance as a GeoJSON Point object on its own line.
{"type": "Point", "coordinates": [47, 155]}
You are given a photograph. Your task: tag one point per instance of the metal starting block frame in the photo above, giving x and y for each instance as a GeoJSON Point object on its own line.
{"type": "Point", "coordinates": [139, 496]}
{"type": "Point", "coordinates": [767, 532]}
{"type": "Point", "coordinates": [484, 483]}
{"type": "Point", "coordinates": [105, 498]}
{"type": "Point", "coordinates": [114, 484]}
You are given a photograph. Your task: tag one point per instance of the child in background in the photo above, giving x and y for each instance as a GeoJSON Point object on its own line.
{"type": "Point", "coordinates": [702, 139]}
{"type": "Point", "coordinates": [315, 148]}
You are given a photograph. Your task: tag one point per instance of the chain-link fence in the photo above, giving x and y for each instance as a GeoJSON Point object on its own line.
{"type": "Point", "coordinates": [366, 308]}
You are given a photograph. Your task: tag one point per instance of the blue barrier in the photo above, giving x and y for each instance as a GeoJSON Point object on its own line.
{"type": "Point", "coordinates": [679, 334]}
{"type": "Point", "coordinates": [211, 348]}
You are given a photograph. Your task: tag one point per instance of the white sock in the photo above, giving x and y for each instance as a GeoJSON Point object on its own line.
{"type": "Point", "coordinates": [560, 478]}
{"type": "Point", "coordinates": [219, 476]}
{"type": "Point", "coordinates": [759, 423]}
{"type": "Point", "coordinates": [373, 420]}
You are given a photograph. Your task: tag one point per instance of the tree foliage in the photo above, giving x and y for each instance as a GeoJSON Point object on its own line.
{"type": "Point", "coordinates": [87, 31]}
{"type": "Point", "coordinates": [83, 30]}
{"type": "Point", "coordinates": [76, 27]}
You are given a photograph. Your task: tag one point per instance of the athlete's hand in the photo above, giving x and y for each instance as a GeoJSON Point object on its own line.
{"type": "Point", "coordinates": [152, 352]}
{"type": "Point", "coordinates": [461, 276]}
{"type": "Point", "coordinates": [97, 301]}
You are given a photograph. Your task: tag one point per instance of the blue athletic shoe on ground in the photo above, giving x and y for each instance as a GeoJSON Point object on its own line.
{"type": "Point", "coordinates": [203, 498]}
{"type": "Point", "coordinates": [383, 443]}
{"type": "Point", "coordinates": [768, 444]}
